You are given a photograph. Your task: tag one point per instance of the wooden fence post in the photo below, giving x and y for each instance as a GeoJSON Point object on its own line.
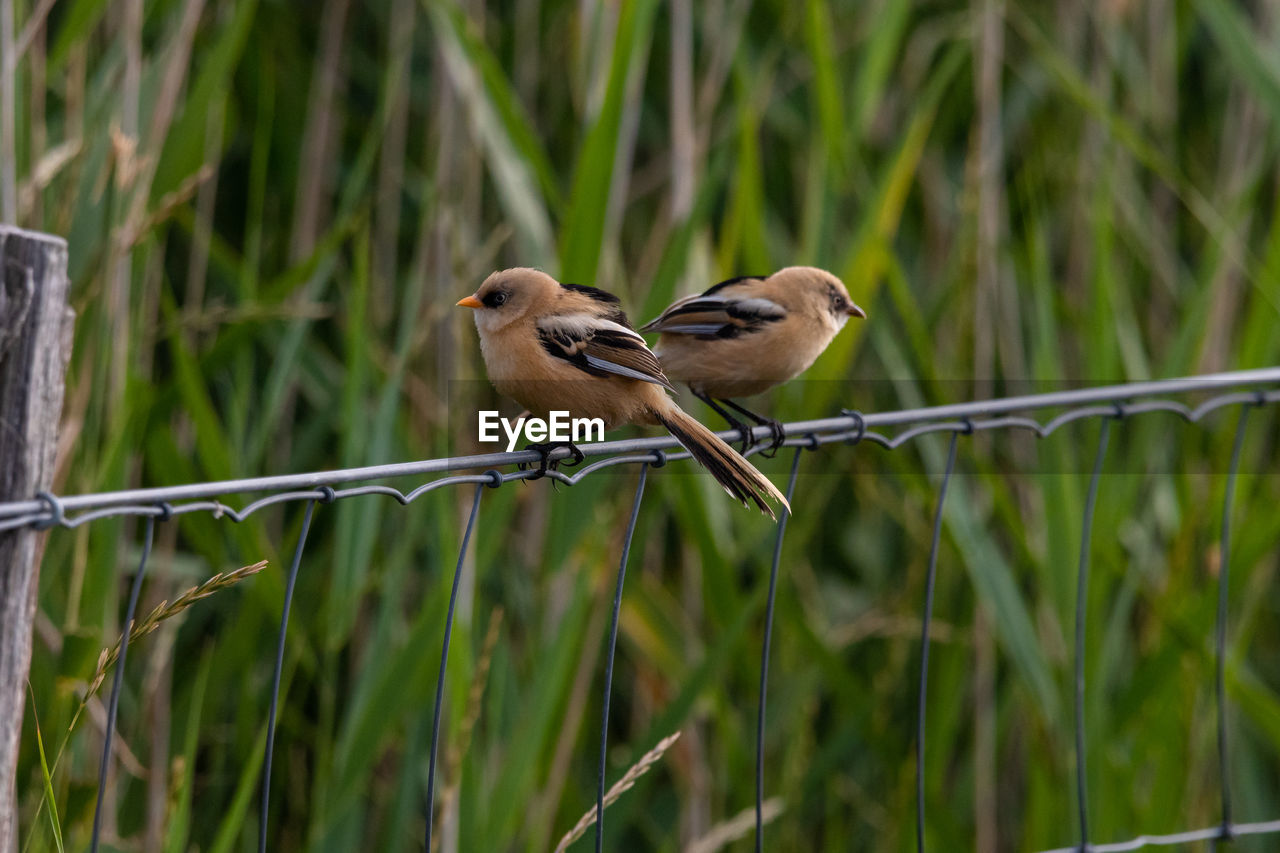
{"type": "Point", "coordinates": [36, 326]}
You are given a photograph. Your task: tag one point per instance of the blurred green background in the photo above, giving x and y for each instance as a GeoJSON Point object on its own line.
{"type": "Point", "coordinates": [272, 207]}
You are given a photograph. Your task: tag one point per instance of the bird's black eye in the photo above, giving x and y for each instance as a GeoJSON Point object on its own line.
{"type": "Point", "coordinates": [495, 299]}
{"type": "Point", "coordinates": [837, 301]}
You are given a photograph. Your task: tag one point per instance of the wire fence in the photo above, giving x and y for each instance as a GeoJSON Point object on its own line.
{"type": "Point", "coordinates": [1245, 391]}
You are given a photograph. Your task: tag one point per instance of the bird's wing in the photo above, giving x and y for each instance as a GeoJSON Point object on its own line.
{"type": "Point", "coordinates": [600, 347]}
{"type": "Point", "coordinates": [727, 310]}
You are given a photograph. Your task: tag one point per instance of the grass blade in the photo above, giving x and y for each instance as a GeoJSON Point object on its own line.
{"type": "Point", "coordinates": [583, 231]}
{"type": "Point", "coordinates": [54, 824]}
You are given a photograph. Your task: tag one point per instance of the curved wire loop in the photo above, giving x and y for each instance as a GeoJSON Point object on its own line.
{"type": "Point", "coordinates": [926, 619]}
{"type": "Point", "coordinates": [764, 652]}
{"type": "Point", "coordinates": [113, 704]}
{"type": "Point", "coordinates": [444, 659]}
{"type": "Point", "coordinates": [57, 513]}
{"type": "Point", "coordinates": [613, 645]}
{"type": "Point", "coordinates": [859, 426]}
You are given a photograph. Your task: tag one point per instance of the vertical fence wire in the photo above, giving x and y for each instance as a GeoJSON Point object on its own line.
{"type": "Point", "coordinates": [1220, 629]}
{"type": "Point", "coordinates": [764, 651]}
{"type": "Point", "coordinates": [114, 703]}
{"type": "Point", "coordinates": [1082, 594]}
{"type": "Point", "coordinates": [275, 678]}
{"type": "Point", "coordinates": [924, 639]}
{"type": "Point", "coordinates": [1225, 831]}
{"type": "Point", "coordinates": [444, 659]}
{"type": "Point", "coordinates": [613, 644]}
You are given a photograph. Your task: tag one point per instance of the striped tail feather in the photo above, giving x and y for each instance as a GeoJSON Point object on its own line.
{"type": "Point", "coordinates": [738, 476]}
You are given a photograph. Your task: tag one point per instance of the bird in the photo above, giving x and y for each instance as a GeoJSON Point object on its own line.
{"type": "Point", "coordinates": [745, 335]}
{"type": "Point", "coordinates": [570, 347]}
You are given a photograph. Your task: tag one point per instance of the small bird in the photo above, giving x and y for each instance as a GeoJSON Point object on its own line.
{"type": "Point", "coordinates": [569, 347]}
{"type": "Point", "coordinates": [748, 334]}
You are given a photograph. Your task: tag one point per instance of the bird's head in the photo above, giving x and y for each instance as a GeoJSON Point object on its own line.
{"type": "Point", "coordinates": [821, 293]}
{"type": "Point", "coordinates": [507, 295]}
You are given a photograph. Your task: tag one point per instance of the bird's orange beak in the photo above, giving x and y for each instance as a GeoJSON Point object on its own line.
{"type": "Point", "coordinates": [470, 302]}
{"type": "Point", "coordinates": [854, 311]}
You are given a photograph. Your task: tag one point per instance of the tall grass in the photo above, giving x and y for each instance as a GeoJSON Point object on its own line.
{"type": "Point", "coordinates": [271, 212]}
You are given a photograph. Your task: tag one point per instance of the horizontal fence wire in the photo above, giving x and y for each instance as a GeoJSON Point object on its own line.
{"type": "Point", "coordinates": [1245, 389]}
{"type": "Point", "coordinates": [52, 510]}
{"type": "Point", "coordinates": [1266, 827]}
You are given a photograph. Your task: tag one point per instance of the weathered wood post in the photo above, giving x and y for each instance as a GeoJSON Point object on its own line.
{"type": "Point", "coordinates": [35, 344]}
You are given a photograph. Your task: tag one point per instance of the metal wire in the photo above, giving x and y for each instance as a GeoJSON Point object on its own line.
{"type": "Point", "coordinates": [613, 645]}
{"type": "Point", "coordinates": [1177, 838]}
{"type": "Point", "coordinates": [984, 414]}
{"type": "Point", "coordinates": [1220, 629]}
{"type": "Point", "coordinates": [1108, 403]}
{"type": "Point", "coordinates": [1082, 609]}
{"type": "Point", "coordinates": [764, 651]}
{"type": "Point", "coordinates": [279, 667]}
{"type": "Point", "coordinates": [114, 704]}
{"type": "Point", "coordinates": [927, 618]}
{"type": "Point", "coordinates": [444, 659]}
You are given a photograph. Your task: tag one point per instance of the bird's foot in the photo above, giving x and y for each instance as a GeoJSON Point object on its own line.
{"type": "Point", "coordinates": [776, 432]}
{"type": "Point", "coordinates": [748, 440]}
{"type": "Point", "coordinates": [777, 435]}
{"type": "Point", "coordinates": [545, 464]}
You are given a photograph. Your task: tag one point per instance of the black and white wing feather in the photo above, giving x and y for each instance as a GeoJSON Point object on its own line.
{"type": "Point", "coordinates": [600, 347]}
{"type": "Point", "coordinates": [725, 311]}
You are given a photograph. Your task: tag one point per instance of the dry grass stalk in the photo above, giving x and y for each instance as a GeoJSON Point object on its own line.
{"type": "Point", "coordinates": [723, 834]}
{"type": "Point", "coordinates": [167, 205]}
{"type": "Point", "coordinates": [51, 162]}
{"type": "Point", "coordinates": [626, 783]}
{"type": "Point", "coordinates": [162, 611]}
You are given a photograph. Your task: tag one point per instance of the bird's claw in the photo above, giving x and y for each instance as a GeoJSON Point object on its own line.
{"type": "Point", "coordinates": [544, 451]}
{"type": "Point", "coordinates": [777, 435]}
{"type": "Point", "coordinates": [748, 440]}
